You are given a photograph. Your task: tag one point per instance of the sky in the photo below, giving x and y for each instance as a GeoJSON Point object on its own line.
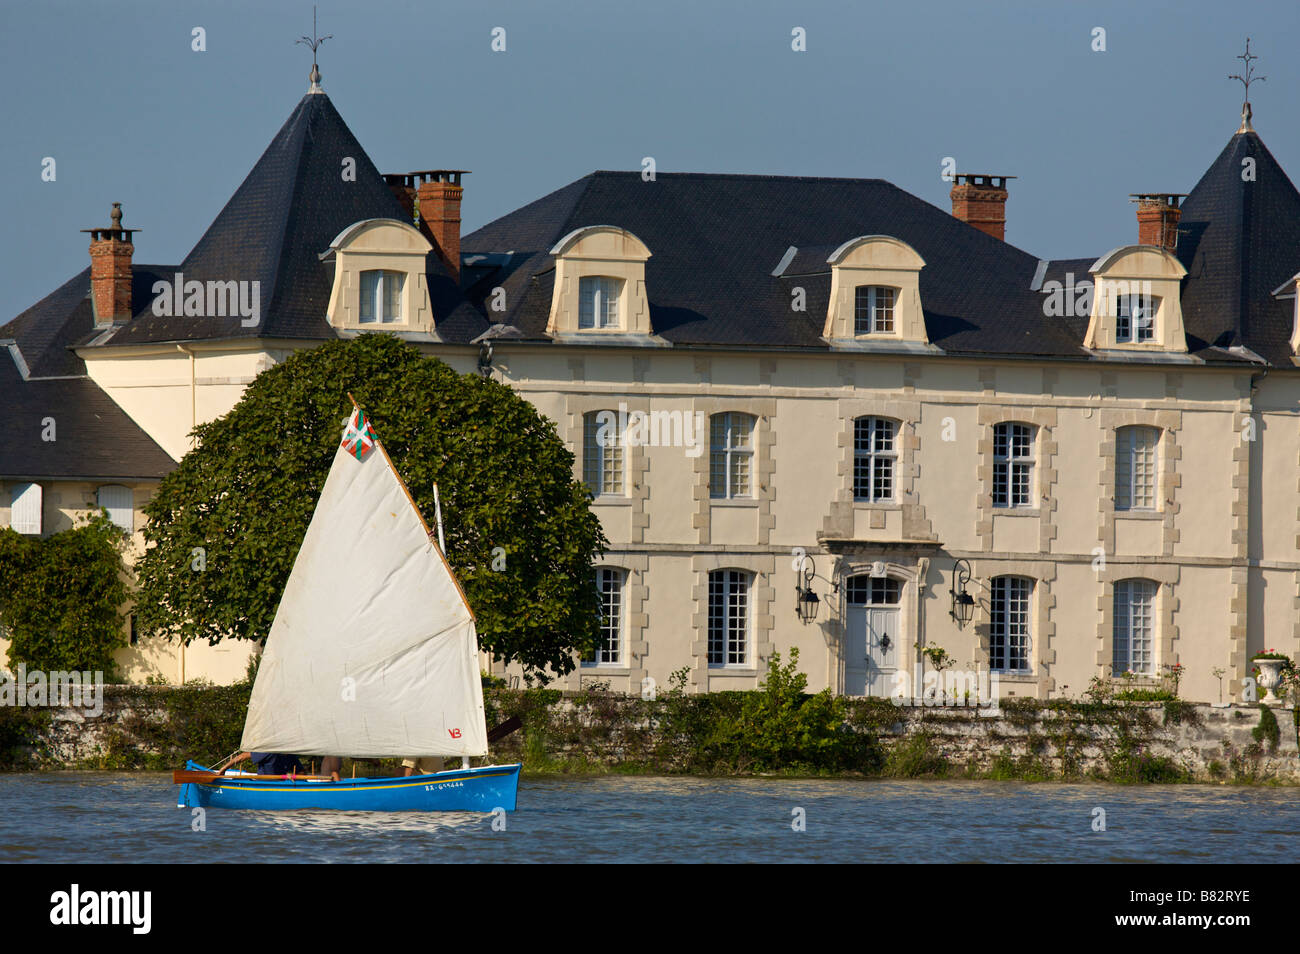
{"type": "Point", "coordinates": [116, 94]}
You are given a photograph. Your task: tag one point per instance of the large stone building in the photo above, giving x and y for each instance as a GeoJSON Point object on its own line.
{"type": "Point", "coordinates": [1058, 470]}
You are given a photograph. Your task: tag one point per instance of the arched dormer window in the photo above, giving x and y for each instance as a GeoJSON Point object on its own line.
{"type": "Point", "coordinates": [599, 283]}
{"type": "Point", "coordinates": [1135, 301]}
{"type": "Point", "coordinates": [875, 292]}
{"type": "Point", "coordinates": [380, 277]}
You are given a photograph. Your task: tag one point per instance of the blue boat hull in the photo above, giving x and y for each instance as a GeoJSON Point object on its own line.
{"type": "Point", "coordinates": [465, 790]}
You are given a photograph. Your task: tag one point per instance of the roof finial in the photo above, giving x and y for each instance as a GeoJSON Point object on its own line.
{"type": "Point", "coordinates": [1246, 80]}
{"type": "Point", "coordinates": [314, 42]}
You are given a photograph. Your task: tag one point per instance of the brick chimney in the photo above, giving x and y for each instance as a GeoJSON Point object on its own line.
{"type": "Point", "coordinates": [438, 204]}
{"type": "Point", "coordinates": [403, 187]}
{"type": "Point", "coordinates": [110, 270]}
{"type": "Point", "coordinates": [981, 201]}
{"type": "Point", "coordinates": [1158, 215]}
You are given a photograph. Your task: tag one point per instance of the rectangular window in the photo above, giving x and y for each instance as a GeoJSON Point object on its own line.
{"type": "Point", "coordinates": [369, 292]}
{"type": "Point", "coordinates": [1013, 465]}
{"type": "Point", "coordinates": [1134, 626]}
{"type": "Point", "coordinates": [609, 583]}
{"type": "Point", "coordinates": [873, 591]}
{"type": "Point", "coordinates": [602, 453]}
{"type": "Point", "coordinates": [873, 310]}
{"type": "Point", "coordinates": [598, 302]}
{"type": "Point", "coordinates": [874, 456]}
{"type": "Point", "coordinates": [1135, 468]}
{"type": "Point", "coordinates": [381, 296]}
{"type": "Point", "coordinates": [120, 504]}
{"type": "Point", "coordinates": [25, 508]}
{"type": "Point", "coordinates": [732, 455]}
{"type": "Point", "coordinates": [1009, 623]}
{"type": "Point", "coordinates": [728, 618]}
{"type": "Point", "coordinates": [1135, 318]}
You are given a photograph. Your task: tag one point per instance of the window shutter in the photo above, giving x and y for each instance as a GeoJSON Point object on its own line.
{"type": "Point", "coordinates": [25, 508]}
{"type": "Point", "coordinates": [120, 504]}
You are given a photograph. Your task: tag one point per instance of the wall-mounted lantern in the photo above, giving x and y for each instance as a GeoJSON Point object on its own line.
{"type": "Point", "coordinates": [963, 604]}
{"type": "Point", "coordinates": [806, 602]}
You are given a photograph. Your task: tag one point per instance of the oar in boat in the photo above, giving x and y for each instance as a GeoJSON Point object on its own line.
{"type": "Point", "coordinates": [183, 776]}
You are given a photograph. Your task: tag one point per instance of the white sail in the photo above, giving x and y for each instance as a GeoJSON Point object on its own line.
{"type": "Point", "coordinates": [373, 650]}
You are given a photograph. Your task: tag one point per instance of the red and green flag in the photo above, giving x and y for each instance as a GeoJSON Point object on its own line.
{"type": "Point", "coordinates": [358, 436]}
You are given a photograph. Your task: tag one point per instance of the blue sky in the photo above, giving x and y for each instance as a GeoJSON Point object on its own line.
{"type": "Point", "coordinates": [114, 92]}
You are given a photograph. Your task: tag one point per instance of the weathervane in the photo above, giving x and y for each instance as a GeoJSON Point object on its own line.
{"type": "Point", "coordinates": [314, 42]}
{"type": "Point", "coordinates": [1246, 80]}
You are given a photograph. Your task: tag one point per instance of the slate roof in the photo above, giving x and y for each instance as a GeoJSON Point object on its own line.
{"type": "Point", "coordinates": [292, 204]}
{"type": "Point", "coordinates": [715, 241]}
{"type": "Point", "coordinates": [1239, 239]}
{"type": "Point", "coordinates": [94, 438]}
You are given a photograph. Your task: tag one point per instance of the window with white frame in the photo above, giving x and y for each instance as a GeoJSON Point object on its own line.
{"type": "Point", "coordinates": [1134, 627]}
{"type": "Point", "coordinates": [1135, 318]}
{"type": "Point", "coordinates": [1013, 465]}
{"type": "Point", "coordinates": [875, 456]}
{"type": "Point", "coordinates": [602, 453]}
{"type": "Point", "coordinates": [873, 310]}
{"type": "Point", "coordinates": [731, 457]}
{"type": "Point", "coordinates": [609, 652]}
{"type": "Point", "coordinates": [25, 508]}
{"type": "Point", "coordinates": [728, 618]}
{"type": "Point", "coordinates": [1135, 468]}
{"type": "Point", "coordinates": [598, 301]}
{"type": "Point", "coordinates": [381, 296]}
{"type": "Point", "coordinates": [1009, 634]}
{"type": "Point", "coordinates": [873, 591]}
{"type": "Point", "coordinates": [120, 504]}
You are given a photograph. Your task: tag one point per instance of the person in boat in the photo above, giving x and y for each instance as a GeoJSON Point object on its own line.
{"type": "Point", "coordinates": [268, 763]}
{"type": "Point", "coordinates": [424, 765]}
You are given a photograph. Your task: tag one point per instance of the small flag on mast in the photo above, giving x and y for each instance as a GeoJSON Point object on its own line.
{"type": "Point", "coordinates": [358, 435]}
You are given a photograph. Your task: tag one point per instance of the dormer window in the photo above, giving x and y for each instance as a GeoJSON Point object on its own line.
{"type": "Point", "coordinates": [381, 296]}
{"type": "Point", "coordinates": [875, 294]}
{"type": "Point", "coordinates": [600, 285]}
{"type": "Point", "coordinates": [1135, 318]}
{"type": "Point", "coordinates": [1135, 301]}
{"type": "Point", "coordinates": [598, 298]}
{"type": "Point", "coordinates": [380, 278]}
{"type": "Point", "coordinates": [873, 311]}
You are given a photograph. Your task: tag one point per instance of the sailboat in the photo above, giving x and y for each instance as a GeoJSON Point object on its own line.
{"type": "Point", "coordinates": [373, 653]}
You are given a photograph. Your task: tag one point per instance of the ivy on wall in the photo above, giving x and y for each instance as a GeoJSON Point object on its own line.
{"type": "Point", "coordinates": [61, 597]}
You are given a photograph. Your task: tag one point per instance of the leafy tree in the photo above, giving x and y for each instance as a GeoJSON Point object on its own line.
{"type": "Point", "coordinates": [226, 524]}
{"type": "Point", "coordinates": [61, 597]}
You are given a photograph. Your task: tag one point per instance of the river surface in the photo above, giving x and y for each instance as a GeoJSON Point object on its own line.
{"type": "Point", "coordinates": [105, 817]}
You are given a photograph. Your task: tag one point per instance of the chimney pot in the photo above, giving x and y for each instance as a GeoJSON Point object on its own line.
{"type": "Point", "coordinates": [980, 200]}
{"type": "Point", "coordinates": [110, 270]}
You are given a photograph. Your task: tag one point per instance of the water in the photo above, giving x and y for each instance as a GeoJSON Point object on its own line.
{"type": "Point", "coordinates": [103, 817]}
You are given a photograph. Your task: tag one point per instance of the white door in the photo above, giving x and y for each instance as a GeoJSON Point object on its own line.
{"type": "Point", "coordinates": [871, 637]}
{"type": "Point", "coordinates": [882, 649]}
